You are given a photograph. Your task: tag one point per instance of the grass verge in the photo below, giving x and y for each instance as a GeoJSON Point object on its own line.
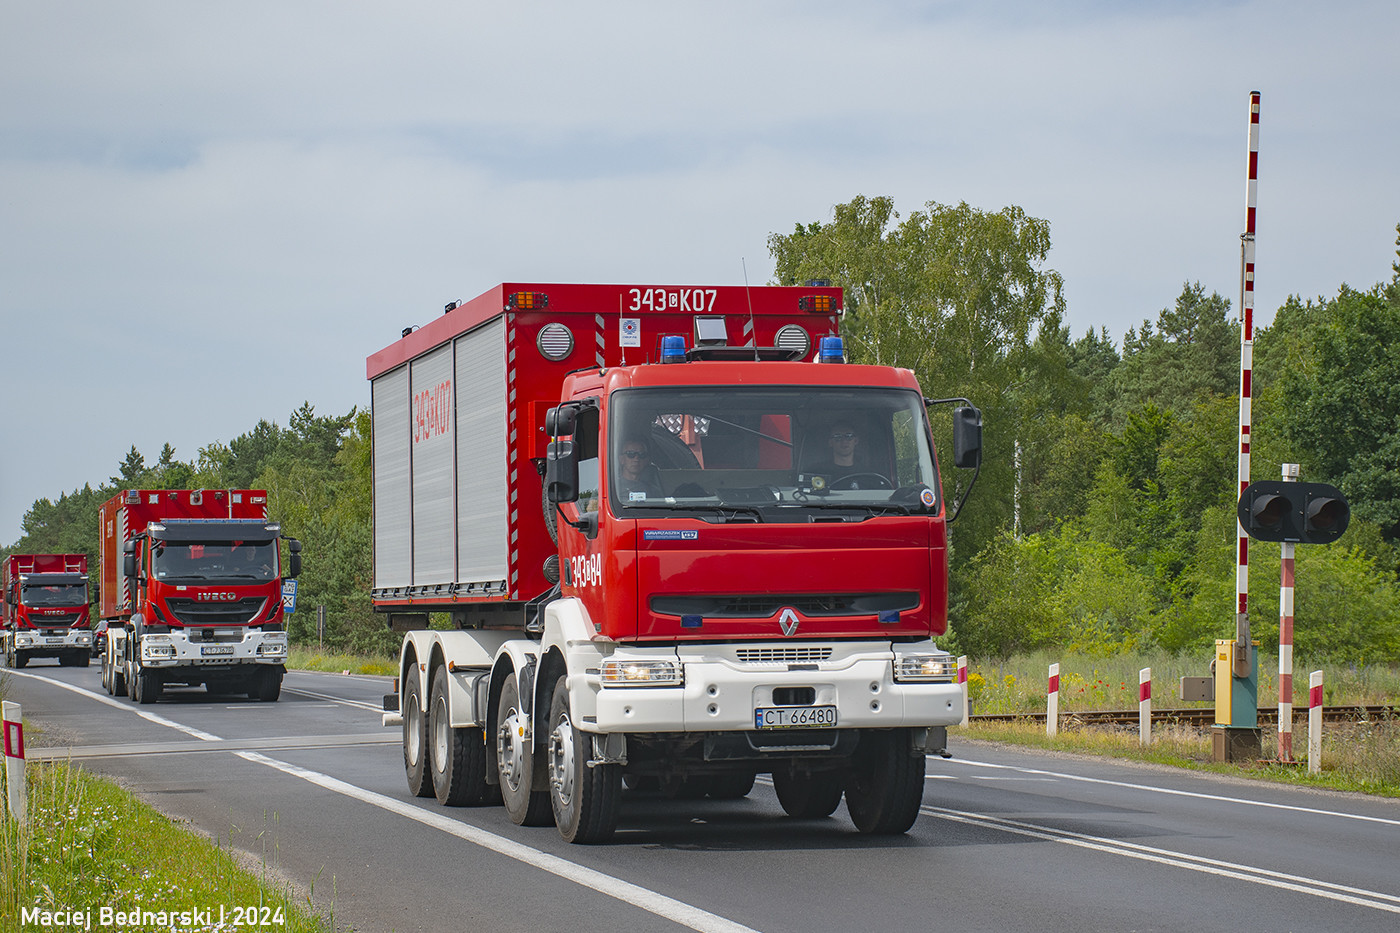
{"type": "Point", "coordinates": [309, 659]}
{"type": "Point", "coordinates": [90, 847]}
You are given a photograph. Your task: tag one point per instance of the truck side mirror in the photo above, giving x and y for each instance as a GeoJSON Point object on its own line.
{"type": "Point", "coordinates": [561, 470]}
{"type": "Point", "coordinates": [967, 437]}
{"type": "Point", "coordinates": [294, 561]}
{"type": "Point", "coordinates": [560, 421]}
{"type": "Point", "coordinates": [129, 565]}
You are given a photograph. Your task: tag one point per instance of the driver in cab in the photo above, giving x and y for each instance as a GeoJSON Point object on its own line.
{"type": "Point", "coordinates": [843, 441]}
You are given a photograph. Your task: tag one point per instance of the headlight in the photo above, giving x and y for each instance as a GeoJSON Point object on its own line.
{"type": "Point", "coordinates": [157, 646]}
{"type": "Point", "coordinates": [642, 674]}
{"type": "Point", "coordinates": [924, 668]}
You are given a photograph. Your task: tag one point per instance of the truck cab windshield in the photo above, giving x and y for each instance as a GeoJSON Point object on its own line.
{"type": "Point", "coordinates": [54, 594]}
{"type": "Point", "coordinates": [209, 561]}
{"type": "Point", "coordinates": [783, 451]}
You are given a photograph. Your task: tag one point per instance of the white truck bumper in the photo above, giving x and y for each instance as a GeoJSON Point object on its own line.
{"type": "Point", "coordinates": [36, 641]}
{"type": "Point", "coordinates": [724, 692]}
{"type": "Point", "coordinates": [228, 647]}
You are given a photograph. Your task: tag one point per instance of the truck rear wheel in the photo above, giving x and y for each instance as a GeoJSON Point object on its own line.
{"type": "Point", "coordinates": [585, 800]}
{"type": "Point", "coordinates": [807, 796]}
{"type": "Point", "coordinates": [415, 735]}
{"type": "Point", "coordinates": [517, 762]}
{"type": "Point", "coordinates": [148, 686]}
{"type": "Point", "coordinates": [886, 787]}
{"type": "Point", "coordinates": [116, 677]}
{"type": "Point", "coordinates": [21, 658]}
{"type": "Point", "coordinates": [458, 755]}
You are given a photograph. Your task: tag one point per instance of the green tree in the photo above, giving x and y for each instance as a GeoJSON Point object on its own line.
{"type": "Point", "coordinates": [1192, 353]}
{"type": "Point", "coordinates": [954, 293]}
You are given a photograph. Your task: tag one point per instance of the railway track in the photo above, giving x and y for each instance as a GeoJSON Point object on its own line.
{"type": "Point", "coordinates": [1198, 716]}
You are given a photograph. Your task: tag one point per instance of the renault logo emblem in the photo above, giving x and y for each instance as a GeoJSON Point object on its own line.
{"type": "Point", "coordinates": [788, 621]}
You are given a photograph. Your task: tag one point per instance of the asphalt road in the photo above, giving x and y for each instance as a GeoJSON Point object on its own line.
{"type": "Point", "coordinates": [313, 787]}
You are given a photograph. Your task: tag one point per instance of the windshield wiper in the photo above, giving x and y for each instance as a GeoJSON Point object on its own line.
{"type": "Point", "coordinates": [730, 512]}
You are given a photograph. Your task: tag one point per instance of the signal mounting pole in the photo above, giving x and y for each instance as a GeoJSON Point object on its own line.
{"type": "Point", "coordinates": [1236, 735]}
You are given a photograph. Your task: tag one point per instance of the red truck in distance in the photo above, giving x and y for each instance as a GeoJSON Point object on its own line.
{"type": "Point", "coordinates": [191, 591]}
{"type": "Point", "coordinates": [682, 543]}
{"type": "Point", "coordinates": [46, 609]}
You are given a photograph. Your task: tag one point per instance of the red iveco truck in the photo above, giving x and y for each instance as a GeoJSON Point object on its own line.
{"type": "Point", "coordinates": [46, 609]}
{"type": "Point", "coordinates": [191, 590]}
{"type": "Point", "coordinates": [681, 543]}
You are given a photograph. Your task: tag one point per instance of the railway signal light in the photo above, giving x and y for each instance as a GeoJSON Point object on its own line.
{"type": "Point", "coordinates": [1304, 513]}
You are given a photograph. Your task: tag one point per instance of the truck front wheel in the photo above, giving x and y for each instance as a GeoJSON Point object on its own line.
{"type": "Point", "coordinates": [415, 735]}
{"type": "Point", "coordinates": [458, 755]}
{"type": "Point", "coordinates": [585, 800]}
{"type": "Point", "coordinates": [886, 786]}
{"type": "Point", "coordinates": [267, 685]}
{"type": "Point", "coordinates": [805, 795]}
{"type": "Point", "coordinates": [517, 762]}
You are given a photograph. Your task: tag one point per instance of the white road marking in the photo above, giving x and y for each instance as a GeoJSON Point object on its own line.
{"type": "Point", "coordinates": [1315, 887]}
{"type": "Point", "coordinates": [666, 907]}
{"type": "Point", "coordinates": [659, 904]}
{"type": "Point", "coordinates": [1176, 793]}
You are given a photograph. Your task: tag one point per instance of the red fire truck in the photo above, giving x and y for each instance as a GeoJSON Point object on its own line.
{"type": "Point", "coordinates": [46, 609]}
{"type": "Point", "coordinates": [191, 592]}
{"type": "Point", "coordinates": [681, 543]}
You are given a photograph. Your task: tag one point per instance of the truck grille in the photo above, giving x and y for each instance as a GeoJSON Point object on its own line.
{"type": "Point", "coordinates": [782, 655]}
{"type": "Point", "coordinates": [62, 621]}
{"type": "Point", "coordinates": [193, 612]}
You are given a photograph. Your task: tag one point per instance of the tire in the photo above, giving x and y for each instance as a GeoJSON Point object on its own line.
{"type": "Point", "coordinates": [106, 682]}
{"type": "Point", "coordinates": [457, 755]}
{"type": "Point", "coordinates": [82, 659]}
{"type": "Point", "coordinates": [886, 787]}
{"type": "Point", "coordinates": [66, 659]}
{"type": "Point", "coordinates": [130, 678]}
{"type": "Point", "coordinates": [269, 686]}
{"type": "Point", "coordinates": [731, 786]}
{"type": "Point", "coordinates": [415, 736]}
{"type": "Point", "coordinates": [517, 764]}
{"type": "Point", "coordinates": [808, 796]}
{"type": "Point", "coordinates": [585, 800]}
{"type": "Point", "coordinates": [147, 687]}
{"type": "Point", "coordinates": [21, 658]}
{"type": "Point", "coordinates": [116, 679]}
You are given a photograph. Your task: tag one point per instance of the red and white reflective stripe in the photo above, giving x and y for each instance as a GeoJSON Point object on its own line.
{"type": "Point", "coordinates": [1052, 702]}
{"type": "Point", "coordinates": [962, 683]}
{"type": "Point", "coordinates": [1315, 722]}
{"type": "Point", "coordinates": [14, 739]}
{"type": "Point", "coordinates": [1145, 706]}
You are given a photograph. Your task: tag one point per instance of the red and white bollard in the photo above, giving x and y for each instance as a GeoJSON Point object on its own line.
{"type": "Point", "coordinates": [1315, 722]}
{"type": "Point", "coordinates": [14, 760]}
{"type": "Point", "coordinates": [962, 685]}
{"type": "Point", "coordinates": [1052, 697]}
{"type": "Point", "coordinates": [1145, 706]}
{"type": "Point", "coordinates": [1285, 640]}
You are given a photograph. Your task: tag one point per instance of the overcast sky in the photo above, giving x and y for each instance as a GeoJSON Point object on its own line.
{"type": "Point", "coordinates": [212, 212]}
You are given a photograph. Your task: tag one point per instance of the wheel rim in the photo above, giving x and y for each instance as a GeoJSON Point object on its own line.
{"type": "Point", "coordinates": [439, 724]}
{"type": "Point", "coordinates": [415, 730]}
{"type": "Point", "coordinates": [510, 749]}
{"type": "Point", "coordinates": [561, 760]}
